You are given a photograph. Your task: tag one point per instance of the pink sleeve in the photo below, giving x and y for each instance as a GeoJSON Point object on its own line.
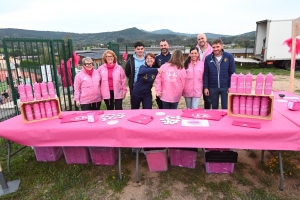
{"type": "Point", "coordinates": [123, 81]}
{"type": "Point", "coordinates": [158, 83]}
{"type": "Point", "coordinates": [77, 88]}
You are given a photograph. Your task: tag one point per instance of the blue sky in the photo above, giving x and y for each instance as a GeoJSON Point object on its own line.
{"type": "Point", "coordinates": [230, 17]}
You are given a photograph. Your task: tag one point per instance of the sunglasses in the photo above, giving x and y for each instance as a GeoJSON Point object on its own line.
{"type": "Point", "coordinates": [88, 64]}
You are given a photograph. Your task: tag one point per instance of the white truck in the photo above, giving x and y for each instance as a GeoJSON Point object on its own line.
{"type": "Point", "coordinates": [269, 49]}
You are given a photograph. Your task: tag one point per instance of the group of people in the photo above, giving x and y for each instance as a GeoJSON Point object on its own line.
{"type": "Point", "coordinates": [205, 73]}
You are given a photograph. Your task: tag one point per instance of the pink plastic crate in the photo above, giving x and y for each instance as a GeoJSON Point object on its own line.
{"type": "Point", "coordinates": [46, 154]}
{"type": "Point", "coordinates": [76, 155]}
{"type": "Point", "coordinates": [104, 155]}
{"type": "Point", "coordinates": [218, 168]}
{"type": "Point", "coordinates": [183, 158]}
{"type": "Point", "coordinates": [156, 159]}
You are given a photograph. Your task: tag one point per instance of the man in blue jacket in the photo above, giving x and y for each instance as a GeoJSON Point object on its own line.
{"type": "Point", "coordinates": [218, 68]}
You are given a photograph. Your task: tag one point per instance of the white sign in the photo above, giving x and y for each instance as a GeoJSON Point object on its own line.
{"type": "Point", "coordinates": [195, 122]}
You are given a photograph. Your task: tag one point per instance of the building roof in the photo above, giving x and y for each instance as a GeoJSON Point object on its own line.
{"type": "Point", "coordinates": [92, 54]}
{"type": "Point", "coordinates": [243, 50]}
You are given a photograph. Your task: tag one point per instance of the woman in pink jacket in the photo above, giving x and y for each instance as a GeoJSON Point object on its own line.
{"type": "Point", "coordinates": [170, 82]}
{"type": "Point", "coordinates": [194, 79]}
{"type": "Point", "coordinates": [87, 87]}
{"type": "Point", "coordinates": [113, 81]}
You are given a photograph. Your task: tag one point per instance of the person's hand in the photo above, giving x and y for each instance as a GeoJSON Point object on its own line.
{"type": "Point", "coordinates": [159, 70]}
{"type": "Point", "coordinates": [77, 104]}
{"type": "Point", "coordinates": [124, 95]}
{"type": "Point", "coordinates": [206, 92]}
{"type": "Point", "coordinates": [159, 94]}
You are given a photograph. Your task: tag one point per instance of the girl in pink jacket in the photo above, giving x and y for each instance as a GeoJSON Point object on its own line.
{"type": "Point", "coordinates": [113, 81]}
{"type": "Point", "coordinates": [87, 87]}
{"type": "Point", "coordinates": [170, 82]}
{"type": "Point", "coordinates": [194, 79]}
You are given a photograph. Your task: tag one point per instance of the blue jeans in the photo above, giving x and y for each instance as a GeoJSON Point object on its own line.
{"type": "Point", "coordinates": [168, 105]}
{"type": "Point", "coordinates": [214, 94]}
{"type": "Point", "coordinates": [192, 102]}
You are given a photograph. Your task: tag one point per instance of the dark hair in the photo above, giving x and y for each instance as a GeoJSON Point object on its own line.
{"type": "Point", "coordinates": [164, 40]}
{"type": "Point", "coordinates": [176, 59]}
{"type": "Point", "coordinates": [188, 60]}
{"type": "Point", "coordinates": [139, 44]}
{"type": "Point", "coordinates": [217, 41]}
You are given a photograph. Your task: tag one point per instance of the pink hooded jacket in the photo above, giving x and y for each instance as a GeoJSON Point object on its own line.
{"type": "Point", "coordinates": [170, 83]}
{"type": "Point", "coordinates": [87, 88]}
{"type": "Point", "coordinates": [119, 82]}
{"type": "Point", "coordinates": [194, 80]}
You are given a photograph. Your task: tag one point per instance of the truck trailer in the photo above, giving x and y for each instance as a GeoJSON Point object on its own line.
{"type": "Point", "coordinates": [269, 49]}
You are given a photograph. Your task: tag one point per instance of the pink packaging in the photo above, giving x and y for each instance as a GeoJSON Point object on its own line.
{"type": "Point", "coordinates": [29, 94]}
{"type": "Point", "coordinates": [183, 158]}
{"type": "Point", "coordinates": [37, 112]}
{"type": "Point", "coordinates": [46, 154]}
{"type": "Point", "coordinates": [242, 105]}
{"type": "Point", "coordinates": [248, 83]}
{"type": "Point", "coordinates": [249, 105]}
{"type": "Point", "coordinates": [76, 155]}
{"type": "Point", "coordinates": [51, 90]}
{"type": "Point", "coordinates": [156, 159]}
{"type": "Point", "coordinates": [42, 108]}
{"type": "Point", "coordinates": [54, 107]}
{"type": "Point", "coordinates": [293, 105]}
{"type": "Point", "coordinates": [268, 84]}
{"type": "Point", "coordinates": [28, 111]}
{"type": "Point", "coordinates": [92, 117]}
{"type": "Point", "coordinates": [218, 168]}
{"type": "Point", "coordinates": [236, 105]}
{"type": "Point", "coordinates": [104, 155]}
{"type": "Point", "coordinates": [233, 83]}
{"type": "Point", "coordinates": [256, 106]}
{"type": "Point", "coordinates": [22, 92]}
{"type": "Point", "coordinates": [264, 106]}
{"type": "Point", "coordinates": [48, 109]}
{"type": "Point", "coordinates": [241, 83]}
{"type": "Point", "coordinates": [37, 91]}
{"type": "Point", "coordinates": [259, 83]}
{"type": "Point", "coordinates": [44, 90]}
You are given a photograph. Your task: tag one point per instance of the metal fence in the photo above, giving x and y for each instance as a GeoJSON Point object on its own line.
{"type": "Point", "coordinates": [27, 61]}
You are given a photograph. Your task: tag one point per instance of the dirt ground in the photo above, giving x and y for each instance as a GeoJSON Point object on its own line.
{"type": "Point", "coordinates": [141, 190]}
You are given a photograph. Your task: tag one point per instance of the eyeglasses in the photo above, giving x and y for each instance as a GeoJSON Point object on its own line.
{"type": "Point", "coordinates": [87, 64]}
{"type": "Point", "coordinates": [109, 56]}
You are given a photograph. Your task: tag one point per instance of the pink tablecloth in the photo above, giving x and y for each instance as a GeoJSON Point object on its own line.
{"type": "Point", "coordinates": [280, 104]}
{"type": "Point", "coordinates": [278, 134]}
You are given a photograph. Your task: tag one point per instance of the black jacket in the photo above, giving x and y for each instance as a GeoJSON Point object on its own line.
{"type": "Point", "coordinates": [130, 71]}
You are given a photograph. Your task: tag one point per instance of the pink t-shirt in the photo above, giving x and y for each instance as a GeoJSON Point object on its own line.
{"type": "Point", "coordinates": [110, 69]}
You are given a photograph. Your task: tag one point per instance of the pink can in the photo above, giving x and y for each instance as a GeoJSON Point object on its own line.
{"type": "Point", "coordinates": [233, 82]}
{"type": "Point", "coordinates": [51, 90]}
{"type": "Point", "coordinates": [259, 83]}
{"type": "Point", "coordinates": [268, 84]}
{"type": "Point", "coordinates": [242, 105]}
{"type": "Point", "coordinates": [241, 83]}
{"type": "Point", "coordinates": [48, 109]}
{"type": "Point", "coordinates": [249, 105]}
{"type": "Point", "coordinates": [264, 106]}
{"type": "Point", "coordinates": [248, 83]}
{"type": "Point", "coordinates": [236, 105]}
{"type": "Point", "coordinates": [28, 111]}
{"type": "Point", "coordinates": [29, 94]}
{"type": "Point", "coordinates": [22, 93]}
{"type": "Point", "coordinates": [54, 107]}
{"type": "Point", "coordinates": [44, 90]}
{"type": "Point", "coordinates": [37, 91]}
{"type": "Point", "coordinates": [37, 111]}
{"type": "Point", "coordinates": [42, 108]}
{"type": "Point", "coordinates": [256, 106]}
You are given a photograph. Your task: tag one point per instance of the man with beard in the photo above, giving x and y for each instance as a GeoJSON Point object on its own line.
{"type": "Point", "coordinates": [218, 68]}
{"type": "Point", "coordinates": [204, 50]}
{"type": "Point", "coordinates": [161, 59]}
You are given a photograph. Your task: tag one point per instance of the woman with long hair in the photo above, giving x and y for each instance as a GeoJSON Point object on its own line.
{"type": "Point", "coordinates": [170, 82]}
{"type": "Point", "coordinates": [194, 79]}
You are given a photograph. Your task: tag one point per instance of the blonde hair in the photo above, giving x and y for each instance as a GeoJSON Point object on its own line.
{"type": "Point", "coordinates": [177, 59]}
{"type": "Point", "coordinates": [109, 52]}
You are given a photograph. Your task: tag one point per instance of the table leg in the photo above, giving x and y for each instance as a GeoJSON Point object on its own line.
{"type": "Point", "coordinates": [120, 162]}
{"type": "Point", "coordinates": [8, 156]}
{"type": "Point", "coordinates": [281, 170]}
{"type": "Point", "coordinates": [262, 160]}
{"type": "Point", "coordinates": [137, 166]}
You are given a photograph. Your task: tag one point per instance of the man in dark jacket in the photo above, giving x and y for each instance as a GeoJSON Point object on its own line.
{"type": "Point", "coordinates": [161, 59]}
{"type": "Point", "coordinates": [218, 68]}
{"type": "Point", "coordinates": [133, 65]}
